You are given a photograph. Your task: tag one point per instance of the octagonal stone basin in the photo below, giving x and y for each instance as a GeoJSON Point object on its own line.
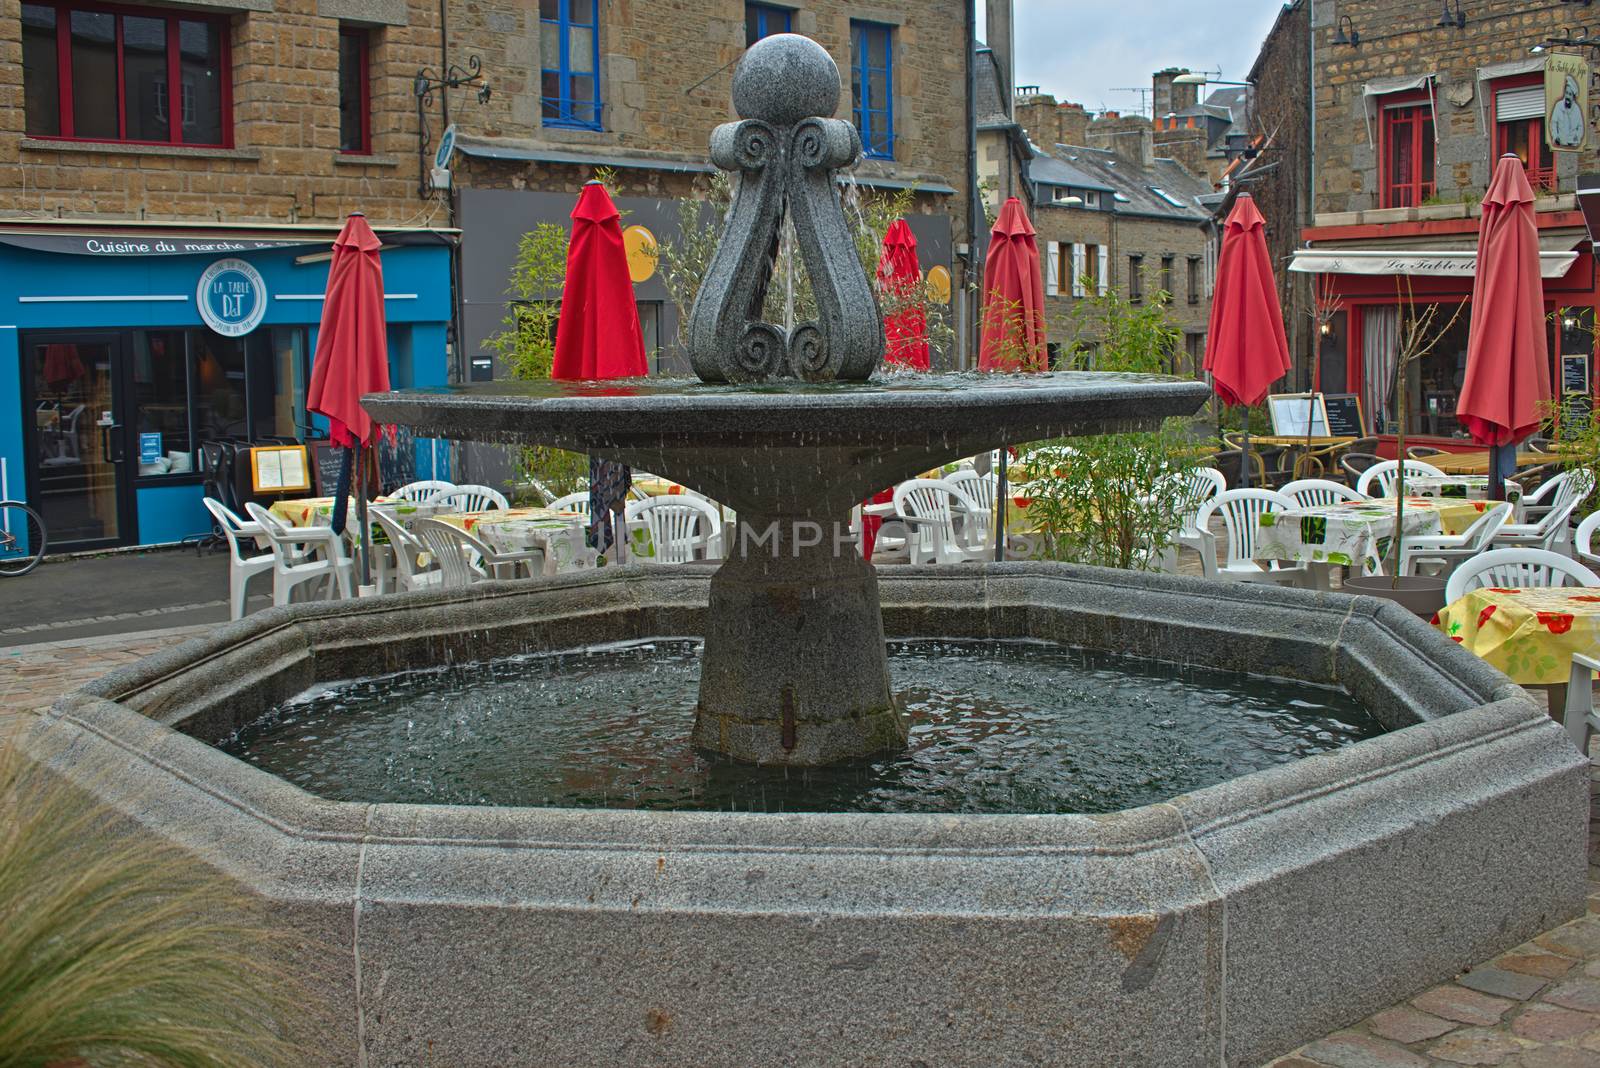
{"type": "Point", "coordinates": [1223, 926]}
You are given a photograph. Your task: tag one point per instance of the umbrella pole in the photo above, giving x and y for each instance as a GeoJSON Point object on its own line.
{"type": "Point", "coordinates": [1000, 510]}
{"type": "Point", "coordinates": [1244, 452]}
{"type": "Point", "coordinates": [365, 551]}
{"type": "Point", "coordinates": [1502, 463]}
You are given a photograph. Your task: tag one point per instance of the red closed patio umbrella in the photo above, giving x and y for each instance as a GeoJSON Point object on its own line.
{"type": "Point", "coordinates": [594, 338]}
{"type": "Point", "coordinates": [598, 334]}
{"type": "Point", "coordinates": [1507, 382]}
{"type": "Point", "coordinates": [352, 358]}
{"type": "Point", "coordinates": [905, 333]}
{"type": "Point", "coordinates": [1246, 350]}
{"type": "Point", "coordinates": [1013, 300]}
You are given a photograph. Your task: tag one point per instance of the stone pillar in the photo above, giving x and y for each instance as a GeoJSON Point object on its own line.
{"type": "Point", "coordinates": [794, 669]}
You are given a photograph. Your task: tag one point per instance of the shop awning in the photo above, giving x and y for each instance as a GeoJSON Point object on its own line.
{"type": "Point", "coordinates": [1459, 263]}
{"type": "Point", "coordinates": [153, 242]}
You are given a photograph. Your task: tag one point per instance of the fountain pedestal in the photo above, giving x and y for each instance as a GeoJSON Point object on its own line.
{"type": "Point", "coordinates": [794, 670]}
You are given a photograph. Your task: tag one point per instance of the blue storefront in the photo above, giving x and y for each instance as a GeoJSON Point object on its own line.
{"type": "Point", "coordinates": [122, 351]}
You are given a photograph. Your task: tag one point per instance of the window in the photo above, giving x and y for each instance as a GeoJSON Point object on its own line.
{"type": "Point", "coordinates": [103, 75]}
{"type": "Point", "coordinates": [1091, 267]}
{"type": "Point", "coordinates": [1194, 279]}
{"type": "Point", "coordinates": [569, 59]}
{"type": "Point", "coordinates": [764, 20]}
{"type": "Point", "coordinates": [1519, 129]}
{"type": "Point", "coordinates": [1135, 279]}
{"type": "Point", "coordinates": [872, 86]}
{"type": "Point", "coordinates": [1166, 274]}
{"type": "Point", "coordinates": [1168, 197]}
{"type": "Point", "coordinates": [355, 91]}
{"type": "Point", "coordinates": [1405, 171]}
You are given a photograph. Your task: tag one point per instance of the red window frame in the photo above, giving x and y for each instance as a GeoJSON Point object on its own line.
{"type": "Point", "coordinates": [1407, 115]}
{"type": "Point", "coordinates": [172, 17]}
{"type": "Point", "coordinates": [1541, 161]}
{"type": "Point", "coordinates": [364, 62]}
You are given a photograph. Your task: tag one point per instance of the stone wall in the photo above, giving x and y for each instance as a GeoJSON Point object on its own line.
{"type": "Point", "coordinates": [666, 67]}
{"type": "Point", "coordinates": [1402, 39]}
{"type": "Point", "coordinates": [285, 165]}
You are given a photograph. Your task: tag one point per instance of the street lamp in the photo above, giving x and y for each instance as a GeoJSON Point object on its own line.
{"type": "Point", "coordinates": [1203, 79]}
{"type": "Point", "coordinates": [1353, 39]}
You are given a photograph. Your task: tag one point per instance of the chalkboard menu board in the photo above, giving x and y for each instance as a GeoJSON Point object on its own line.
{"type": "Point", "coordinates": [1344, 415]}
{"type": "Point", "coordinates": [1575, 373]}
{"type": "Point", "coordinates": [329, 457]}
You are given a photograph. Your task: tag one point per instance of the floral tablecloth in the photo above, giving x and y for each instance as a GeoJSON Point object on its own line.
{"type": "Point", "coordinates": [1461, 487]}
{"type": "Point", "coordinates": [558, 535]}
{"type": "Point", "coordinates": [318, 511]}
{"type": "Point", "coordinates": [1354, 531]}
{"type": "Point", "coordinates": [1530, 634]}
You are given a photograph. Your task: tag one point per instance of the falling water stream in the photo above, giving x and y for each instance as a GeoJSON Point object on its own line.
{"type": "Point", "coordinates": [996, 727]}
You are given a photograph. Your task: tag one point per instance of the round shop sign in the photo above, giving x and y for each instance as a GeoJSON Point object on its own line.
{"type": "Point", "coordinates": [232, 297]}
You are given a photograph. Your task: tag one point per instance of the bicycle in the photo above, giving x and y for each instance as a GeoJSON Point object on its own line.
{"type": "Point", "coordinates": [22, 538]}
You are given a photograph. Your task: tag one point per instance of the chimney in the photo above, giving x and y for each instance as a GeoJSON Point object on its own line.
{"type": "Point", "coordinates": [1128, 136]}
{"type": "Point", "coordinates": [1035, 112]}
{"type": "Point", "coordinates": [1073, 123]}
{"type": "Point", "coordinates": [1166, 98]}
{"type": "Point", "coordinates": [1000, 32]}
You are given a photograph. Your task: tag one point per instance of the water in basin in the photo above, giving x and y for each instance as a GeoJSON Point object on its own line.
{"type": "Point", "coordinates": [996, 727]}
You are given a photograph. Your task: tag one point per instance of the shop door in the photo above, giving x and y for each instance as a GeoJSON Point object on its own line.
{"type": "Point", "coordinates": [79, 477]}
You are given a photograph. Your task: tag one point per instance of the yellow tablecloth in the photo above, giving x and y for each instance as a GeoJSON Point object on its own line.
{"type": "Point", "coordinates": [1528, 634]}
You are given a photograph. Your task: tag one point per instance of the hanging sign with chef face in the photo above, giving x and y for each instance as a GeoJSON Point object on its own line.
{"type": "Point", "coordinates": [1566, 102]}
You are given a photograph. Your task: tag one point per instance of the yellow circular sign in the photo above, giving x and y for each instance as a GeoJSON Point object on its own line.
{"type": "Point", "coordinates": [640, 244]}
{"type": "Point", "coordinates": [939, 283]}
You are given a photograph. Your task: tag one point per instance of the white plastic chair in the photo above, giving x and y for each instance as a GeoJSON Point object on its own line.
{"type": "Point", "coordinates": [301, 555]}
{"type": "Point", "coordinates": [682, 528]}
{"type": "Point", "coordinates": [980, 490]}
{"type": "Point", "coordinates": [1568, 488]}
{"type": "Point", "coordinates": [423, 490]}
{"type": "Point", "coordinates": [464, 559]}
{"type": "Point", "coordinates": [469, 499]}
{"type": "Point", "coordinates": [1549, 532]}
{"type": "Point", "coordinates": [1518, 569]}
{"type": "Point", "coordinates": [1201, 485]}
{"type": "Point", "coordinates": [1379, 479]}
{"type": "Point", "coordinates": [1449, 551]}
{"type": "Point", "coordinates": [241, 568]}
{"type": "Point", "coordinates": [927, 508]}
{"type": "Point", "coordinates": [410, 573]}
{"type": "Point", "coordinates": [1241, 516]}
{"type": "Point", "coordinates": [1581, 547]}
{"type": "Point", "coordinates": [1579, 717]}
{"type": "Point", "coordinates": [572, 502]}
{"type": "Point", "coordinates": [1318, 492]}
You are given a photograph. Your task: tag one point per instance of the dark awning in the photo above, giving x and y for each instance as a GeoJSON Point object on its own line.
{"type": "Point", "coordinates": [127, 243]}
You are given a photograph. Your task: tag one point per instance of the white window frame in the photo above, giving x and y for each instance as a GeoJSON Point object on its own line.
{"type": "Point", "coordinates": [1078, 263]}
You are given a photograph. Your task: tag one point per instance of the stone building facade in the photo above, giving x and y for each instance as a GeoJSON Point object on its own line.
{"type": "Point", "coordinates": [272, 155]}
{"type": "Point", "coordinates": [1411, 110]}
{"type": "Point", "coordinates": [1111, 214]}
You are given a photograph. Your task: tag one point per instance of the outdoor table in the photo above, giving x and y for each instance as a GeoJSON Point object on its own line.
{"type": "Point", "coordinates": [318, 511]}
{"type": "Point", "coordinates": [1464, 488]}
{"type": "Point", "coordinates": [558, 535]}
{"type": "Point", "coordinates": [1477, 463]}
{"type": "Point", "coordinates": [1530, 634]}
{"type": "Point", "coordinates": [1341, 534]}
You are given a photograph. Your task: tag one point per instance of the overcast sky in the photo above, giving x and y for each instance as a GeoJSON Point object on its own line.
{"type": "Point", "coordinates": [1083, 50]}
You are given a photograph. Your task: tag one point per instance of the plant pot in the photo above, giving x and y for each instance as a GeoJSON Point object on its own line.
{"type": "Point", "coordinates": [1421, 595]}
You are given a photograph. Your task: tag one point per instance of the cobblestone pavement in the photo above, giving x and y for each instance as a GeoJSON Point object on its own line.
{"type": "Point", "coordinates": [1536, 1006]}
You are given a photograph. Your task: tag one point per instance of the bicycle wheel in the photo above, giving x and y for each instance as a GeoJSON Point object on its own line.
{"type": "Point", "coordinates": [22, 538]}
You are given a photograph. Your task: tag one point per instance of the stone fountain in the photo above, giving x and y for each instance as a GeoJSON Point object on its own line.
{"type": "Point", "coordinates": [1217, 927]}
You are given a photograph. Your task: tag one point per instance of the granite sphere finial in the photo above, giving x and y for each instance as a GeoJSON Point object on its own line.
{"type": "Point", "coordinates": [785, 78]}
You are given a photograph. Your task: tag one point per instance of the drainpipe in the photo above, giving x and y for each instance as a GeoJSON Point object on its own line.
{"type": "Point", "coordinates": [974, 265]}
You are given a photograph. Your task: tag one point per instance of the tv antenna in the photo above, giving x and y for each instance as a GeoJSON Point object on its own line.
{"type": "Point", "coordinates": [1144, 92]}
